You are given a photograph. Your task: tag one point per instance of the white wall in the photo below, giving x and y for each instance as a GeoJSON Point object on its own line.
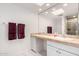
{"type": "Point", "coordinates": [13, 13]}
{"type": "Point", "coordinates": [57, 25]}
{"type": "Point", "coordinates": [43, 23]}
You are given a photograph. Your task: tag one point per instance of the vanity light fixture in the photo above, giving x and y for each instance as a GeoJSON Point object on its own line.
{"type": "Point", "coordinates": [74, 16]}
{"type": "Point", "coordinates": [53, 9]}
{"type": "Point", "coordinates": [47, 4]}
{"type": "Point", "coordinates": [40, 9]}
{"type": "Point", "coordinates": [65, 4]}
{"type": "Point", "coordinates": [58, 12]}
{"type": "Point", "coordinates": [45, 13]}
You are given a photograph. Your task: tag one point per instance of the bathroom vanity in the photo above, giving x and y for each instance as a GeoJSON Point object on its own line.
{"type": "Point", "coordinates": [54, 45]}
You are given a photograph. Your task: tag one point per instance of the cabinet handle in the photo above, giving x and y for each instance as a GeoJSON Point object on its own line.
{"type": "Point", "coordinates": [58, 52]}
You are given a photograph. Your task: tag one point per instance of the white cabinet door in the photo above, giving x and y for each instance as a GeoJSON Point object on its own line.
{"type": "Point", "coordinates": [64, 53]}
{"type": "Point", "coordinates": [37, 45]}
{"type": "Point", "coordinates": [56, 51]}
{"type": "Point", "coordinates": [51, 51]}
{"type": "Point", "coordinates": [63, 47]}
{"type": "Point", "coordinates": [33, 44]}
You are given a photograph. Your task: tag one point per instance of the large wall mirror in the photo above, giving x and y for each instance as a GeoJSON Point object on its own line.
{"type": "Point", "coordinates": [64, 17]}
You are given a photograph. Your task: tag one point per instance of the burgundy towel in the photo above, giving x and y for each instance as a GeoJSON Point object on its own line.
{"type": "Point", "coordinates": [49, 29]}
{"type": "Point", "coordinates": [21, 31]}
{"type": "Point", "coordinates": [12, 31]}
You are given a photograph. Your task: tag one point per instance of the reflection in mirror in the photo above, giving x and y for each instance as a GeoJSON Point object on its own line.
{"type": "Point", "coordinates": [62, 17]}
{"type": "Point", "coordinates": [71, 25]}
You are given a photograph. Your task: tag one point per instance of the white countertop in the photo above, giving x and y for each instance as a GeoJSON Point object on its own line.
{"type": "Point", "coordinates": [58, 38]}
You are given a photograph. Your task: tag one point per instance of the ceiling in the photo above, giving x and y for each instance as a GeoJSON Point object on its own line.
{"type": "Point", "coordinates": [34, 7]}
{"type": "Point", "coordinates": [45, 9]}
{"type": "Point", "coordinates": [70, 10]}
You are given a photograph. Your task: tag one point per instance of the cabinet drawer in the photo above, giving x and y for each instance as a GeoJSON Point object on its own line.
{"type": "Point", "coordinates": [54, 51]}
{"type": "Point", "coordinates": [64, 53]}
{"type": "Point", "coordinates": [67, 48]}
